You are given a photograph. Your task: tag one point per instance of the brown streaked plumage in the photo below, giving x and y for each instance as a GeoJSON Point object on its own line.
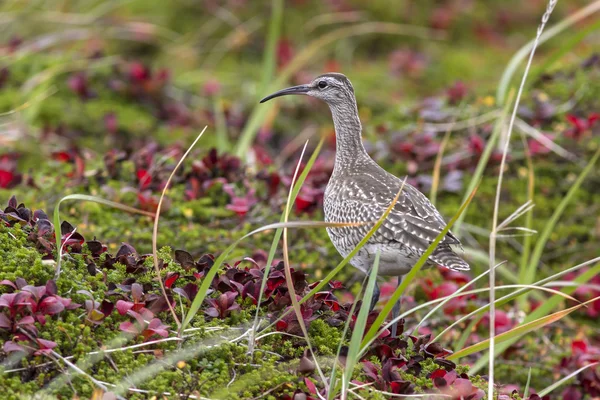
{"type": "Point", "coordinates": [360, 190]}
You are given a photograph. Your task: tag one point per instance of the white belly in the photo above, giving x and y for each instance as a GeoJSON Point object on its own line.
{"type": "Point", "coordinates": [394, 261]}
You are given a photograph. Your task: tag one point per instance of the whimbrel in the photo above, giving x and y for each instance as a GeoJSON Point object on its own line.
{"type": "Point", "coordinates": [359, 190]}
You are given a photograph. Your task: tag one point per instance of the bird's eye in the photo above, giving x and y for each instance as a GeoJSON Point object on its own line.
{"type": "Point", "coordinates": [322, 85]}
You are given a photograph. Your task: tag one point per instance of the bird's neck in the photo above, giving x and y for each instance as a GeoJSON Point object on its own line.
{"type": "Point", "coordinates": [349, 146]}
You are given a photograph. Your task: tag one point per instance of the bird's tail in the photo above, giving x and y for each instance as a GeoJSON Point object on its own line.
{"type": "Point", "coordinates": [445, 257]}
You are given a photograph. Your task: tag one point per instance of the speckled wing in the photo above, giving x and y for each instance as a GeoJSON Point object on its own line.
{"type": "Point", "coordinates": [413, 222]}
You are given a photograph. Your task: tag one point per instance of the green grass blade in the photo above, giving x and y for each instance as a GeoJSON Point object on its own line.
{"type": "Point", "coordinates": [526, 251]}
{"type": "Point", "coordinates": [347, 259]}
{"type": "Point", "coordinates": [523, 52]}
{"type": "Point", "coordinates": [566, 47]}
{"type": "Point", "coordinates": [220, 125]}
{"type": "Point", "coordinates": [277, 237]}
{"type": "Point", "coordinates": [460, 343]}
{"type": "Point", "coordinates": [540, 244]}
{"type": "Point", "coordinates": [526, 391]}
{"type": "Point", "coordinates": [269, 60]}
{"type": "Point", "coordinates": [562, 381]}
{"type": "Point", "coordinates": [437, 167]}
{"type": "Point", "coordinates": [408, 278]}
{"type": "Point", "coordinates": [485, 157]}
{"type": "Point", "coordinates": [547, 305]}
{"type": "Point", "coordinates": [519, 331]}
{"type": "Point", "coordinates": [542, 310]}
{"type": "Point", "coordinates": [359, 326]}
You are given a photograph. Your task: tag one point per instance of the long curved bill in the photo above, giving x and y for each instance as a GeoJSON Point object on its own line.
{"type": "Point", "coordinates": [300, 89]}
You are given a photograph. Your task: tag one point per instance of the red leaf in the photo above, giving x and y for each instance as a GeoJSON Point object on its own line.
{"type": "Point", "coordinates": [11, 346]}
{"type": "Point", "coordinates": [438, 373]}
{"type": "Point", "coordinates": [144, 178]}
{"type": "Point", "coordinates": [212, 312]}
{"type": "Point", "coordinates": [128, 327]}
{"type": "Point", "coordinates": [281, 325]}
{"type": "Point", "coordinates": [579, 347]}
{"type": "Point", "coordinates": [8, 283]}
{"type": "Point", "coordinates": [6, 178]}
{"type": "Point", "coordinates": [50, 306]}
{"type": "Point", "coordinates": [46, 344]}
{"type": "Point", "coordinates": [170, 279]}
{"type": "Point", "coordinates": [310, 385]}
{"type": "Point", "coordinates": [124, 306]}
{"type": "Point", "coordinates": [462, 387]}
{"type": "Point", "coordinates": [5, 322]}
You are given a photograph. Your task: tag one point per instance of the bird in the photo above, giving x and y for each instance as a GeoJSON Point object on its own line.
{"type": "Point", "coordinates": [360, 190]}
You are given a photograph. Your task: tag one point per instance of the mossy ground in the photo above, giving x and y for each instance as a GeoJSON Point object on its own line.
{"type": "Point", "coordinates": [60, 116]}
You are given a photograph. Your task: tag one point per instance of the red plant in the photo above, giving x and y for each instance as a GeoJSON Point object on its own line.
{"type": "Point", "coordinates": [459, 387]}
{"type": "Point", "coordinates": [223, 305]}
{"type": "Point", "coordinates": [285, 52]}
{"type": "Point", "coordinates": [581, 126]}
{"type": "Point", "coordinates": [31, 303]}
{"type": "Point", "coordinates": [72, 156]}
{"type": "Point", "coordinates": [588, 381]}
{"type": "Point", "coordinates": [79, 84]}
{"type": "Point", "coordinates": [9, 177]}
{"type": "Point", "coordinates": [137, 303]}
{"type": "Point", "coordinates": [290, 324]}
{"type": "Point", "coordinates": [240, 204]}
{"type": "Point", "coordinates": [145, 324]}
{"type": "Point", "coordinates": [24, 344]}
{"type": "Point", "coordinates": [457, 92]}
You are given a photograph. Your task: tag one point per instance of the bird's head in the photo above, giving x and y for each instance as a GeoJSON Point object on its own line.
{"type": "Point", "coordinates": [333, 88]}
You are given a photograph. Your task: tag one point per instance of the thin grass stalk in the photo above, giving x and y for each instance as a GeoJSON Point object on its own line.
{"type": "Point", "coordinates": [485, 156]}
{"type": "Point", "coordinates": [539, 137]}
{"type": "Point", "coordinates": [542, 310]}
{"type": "Point", "coordinates": [81, 372]}
{"type": "Point", "coordinates": [562, 381]}
{"type": "Point", "coordinates": [519, 331]}
{"type": "Point", "coordinates": [493, 235]}
{"type": "Point", "coordinates": [359, 326]}
{"type": "Point", "coordinates": [333, 18]}
{"type": "Point", "coordinates": [333, 387]}
{"type": "Point", "coordinates": [408, 278]}
{"type": "Point", "coordinates": [170, 359]}
{"type": "Point", "coordinates": [349, 257]}
{"type": "Point", "coordinates": [437, 167]}
{"type": "Point", "coordinates": [550, 33]}
{"type": "Point", "coordinates": [277, 236]}
{"type": "Point", "coordinates": [155, 228]}
{"type": "Point", "coordinates": [288, 273]}
{"type": "Point", "coordinates": [548, 304]}
{"type": "Point", "coordinates": [83, 197]}
{"type": "Point", "coordinates": [526, 250]}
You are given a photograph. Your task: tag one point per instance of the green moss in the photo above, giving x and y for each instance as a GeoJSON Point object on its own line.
{"type": "Point", "coordinates": [20, 260]}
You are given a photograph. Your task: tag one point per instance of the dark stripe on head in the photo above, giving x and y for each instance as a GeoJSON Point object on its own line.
{"type": "Point", "coordinates": [340, 77]}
